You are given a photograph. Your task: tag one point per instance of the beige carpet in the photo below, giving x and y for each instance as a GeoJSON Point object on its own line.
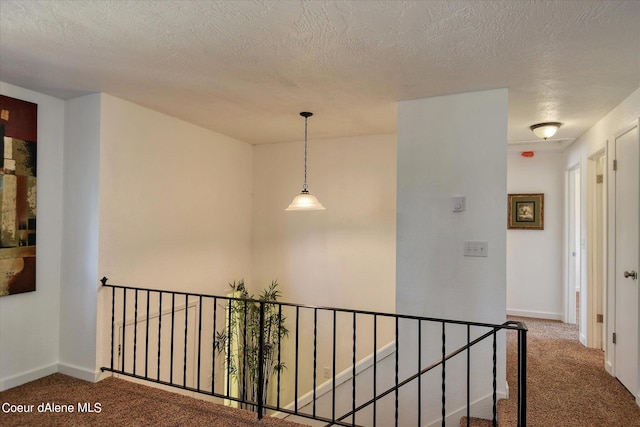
{"type": "Point", "coordinates": [567, 385]}
{"type": "Point", "coordinates": [122, 403]}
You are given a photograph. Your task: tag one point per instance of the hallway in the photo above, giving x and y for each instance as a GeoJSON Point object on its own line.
{"type": "Point", "coordinates": [566, 382]}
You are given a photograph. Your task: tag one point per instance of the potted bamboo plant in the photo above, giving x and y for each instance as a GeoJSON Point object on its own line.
{"type": "Point", "coordinates": [240, 342]}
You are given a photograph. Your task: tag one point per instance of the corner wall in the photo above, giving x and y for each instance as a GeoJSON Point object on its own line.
{"type": "Point", "coordinates": [79, 259]}
{"type": "Point", "coordinates": [29, 329]}
{"type": "Point", "coordinates": [343, 256]}
{"type": "Point", "coordinates": [175, 207]}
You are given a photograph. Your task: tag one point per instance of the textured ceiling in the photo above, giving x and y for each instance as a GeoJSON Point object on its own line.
{"type": "Point", "coordinates": [246, 68]}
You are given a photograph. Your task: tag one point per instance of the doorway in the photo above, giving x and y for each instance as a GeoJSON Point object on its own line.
{"type": "Point", "coordinates": [572, 292]}
{"type": "Point", "coordinates": [596, 249]}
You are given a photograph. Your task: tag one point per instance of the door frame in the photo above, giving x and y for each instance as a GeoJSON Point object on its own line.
{"type": "Point", "coordinates": [573, 232]}
{"type": "Point", "coordinates": [611, 255]}
{"type": "Point", "coordinates": [596, 246]}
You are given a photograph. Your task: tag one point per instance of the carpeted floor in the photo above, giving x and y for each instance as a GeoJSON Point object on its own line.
{"type": "Point", "coordinates": [567, 387]}
{"type": "Point", "coordinates": [122, 403]}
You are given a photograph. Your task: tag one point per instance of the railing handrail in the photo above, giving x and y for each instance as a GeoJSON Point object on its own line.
{"type": "Point", "coordinates": [510, 325]}
{"type": "Point", "coordinates": [260, 402]}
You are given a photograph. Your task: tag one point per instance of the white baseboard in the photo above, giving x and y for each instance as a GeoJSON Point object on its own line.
{"type": "Point", "coordinates": [78, 372]}
{"type": "Point", "coordinates": [534, 314]}
{"type": "Point", "coordinates": [481, 408]}
{"type": "Point", "coordinates": [25, 377]}
{"type": "Point", "coordinates": [608, 366]}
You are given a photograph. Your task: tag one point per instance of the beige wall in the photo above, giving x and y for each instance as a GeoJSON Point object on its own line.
{"type": "Point", "coordinates": [175, 202]}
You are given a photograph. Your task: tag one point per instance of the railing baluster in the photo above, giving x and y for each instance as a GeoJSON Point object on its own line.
{"type": "Point", "coordinates": [522, 377]}
{"type": "Point", "coordinates": [353, 373]}
{"type": "Point", "coordinates": [397, 368]}
{"type": "Point", "coordinates": [468, 375]}
{"type": "Point", "coordinates": [419, 369]}
{"type": "Point", "coordinates": [173, 320]}
{"type": "Point", "coordinates": [375, 365]}
{"type": "Point", "coordinates": [495, 397]}
{"type": "Point", "coordinates": [213, 349]}
{"type": "Point", "coordinates": [186, 335]}
{"type": "Point", "coordinates": [245, 384]}
{"type": "Point", "coordinates": [444, 373]}
{"type": "Point", "coordinates": [113, 320]}
{"type": "Point", "coordinates": [297, 353]}
{"type": "Point", "coordinates": [315, 355]}
{"type": "Point", "coordinates": [200, 337]}
{"type": "Point", "coordinates": [333, 370]}
{"type": "Point", "coordinates": [124, 329]}
{"type": "Point", "coordinates": [135, 330]}
{"type": "Point", "coordinates": [230, 302]}
{"type": "Point", "coordinates": [280, 325]}
{"type": "Point", "coordinates": [146, 339]}
{"type": "Point", "coordinates": [159, 330]}
{"type": "Point", "coordinates": [261, 362]}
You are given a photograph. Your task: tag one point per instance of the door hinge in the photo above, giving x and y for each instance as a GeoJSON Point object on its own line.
{"type": "Point", "coordinates": [614, 337]}
{"type": "Point", "coordinates": [599, 179]}
{"type": "Point", "coordinates": [599, 318]}
{"type": "Point", "coordinates": [119, 349]}
{"type": "Point", "coordinates": [615, 165]}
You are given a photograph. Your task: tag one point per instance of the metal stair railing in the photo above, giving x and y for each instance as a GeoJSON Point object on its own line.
{"type": "Point", "coordinates": [193, 343]}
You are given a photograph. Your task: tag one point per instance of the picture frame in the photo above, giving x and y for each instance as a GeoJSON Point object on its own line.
{"type": "Point", "coordinates": [525, 211]}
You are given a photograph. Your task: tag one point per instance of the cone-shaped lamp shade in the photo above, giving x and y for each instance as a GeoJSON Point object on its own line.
{"type": "Point", "coordinates": [545, 130]}
{"type": "Point", "coordinates": [305, 202]}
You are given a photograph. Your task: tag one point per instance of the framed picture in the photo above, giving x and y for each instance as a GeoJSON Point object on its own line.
{"type": "Point", "coordinates": [18, 196]}
{"type": "Point", "coordinates": [526, 211]}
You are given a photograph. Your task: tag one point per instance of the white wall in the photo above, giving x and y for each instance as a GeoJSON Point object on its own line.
{"type": "Point", "coordinates": [175, 206]}
{"type": "Point", "coordinates": [175, 202]}
{"type": "Point", "coordinates": [79, 290]}
{"type": "Point", "coordinates": [452, 146]}
{"type": "Point", "coordinates": [29, 330]}
{"type": "Point", "coordinates": [535, 257]}
{"type": "Point", "coordinates": [341, 257]}
{"type": "Point", "coordinates": [448, 146]}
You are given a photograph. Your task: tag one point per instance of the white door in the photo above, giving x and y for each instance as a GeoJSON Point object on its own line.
{"type": "Point", "coordinates": [627, 195]}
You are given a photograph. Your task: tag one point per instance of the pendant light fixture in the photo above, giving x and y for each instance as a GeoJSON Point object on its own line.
{"type": "Point", "coordinates": [545, 130]}
{"type": "Point", "coordinates": [305, 201]}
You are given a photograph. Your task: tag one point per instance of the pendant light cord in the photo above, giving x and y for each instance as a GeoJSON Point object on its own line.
{"type": "Point", "coordinates": [306, 116]}
{"type": "Point", "coordinates": [304, 186]}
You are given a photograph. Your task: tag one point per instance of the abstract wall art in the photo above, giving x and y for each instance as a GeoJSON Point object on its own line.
{"type": "Point", "coordinates": [18, 144]}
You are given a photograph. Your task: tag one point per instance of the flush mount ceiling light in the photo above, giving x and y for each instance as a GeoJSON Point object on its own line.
{"type": "Point", "coordinates": [305, 201]}
{"type": "Point", "coordinates": [545, 130]}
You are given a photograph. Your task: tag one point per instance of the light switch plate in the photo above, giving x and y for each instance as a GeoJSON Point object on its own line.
{"type": "Point", "coordinates": [477, 249]}
{"type": "Point", "coordinates": [457, 203]}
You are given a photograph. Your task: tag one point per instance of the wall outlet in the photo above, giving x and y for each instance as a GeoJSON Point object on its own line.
{"type": "Point", "coordinates": [327, 372]}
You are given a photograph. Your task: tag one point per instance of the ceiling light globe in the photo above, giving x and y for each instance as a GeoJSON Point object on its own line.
{"type": "Point", "coordinates": [545, 130]}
